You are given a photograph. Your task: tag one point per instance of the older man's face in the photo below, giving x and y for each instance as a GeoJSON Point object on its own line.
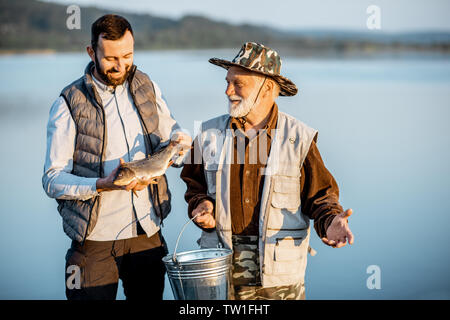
{"type": "Point", "coordinates": [242, 90]}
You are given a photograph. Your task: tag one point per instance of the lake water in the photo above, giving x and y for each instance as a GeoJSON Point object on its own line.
{"type": "Point", "coordinates": [383, 133]}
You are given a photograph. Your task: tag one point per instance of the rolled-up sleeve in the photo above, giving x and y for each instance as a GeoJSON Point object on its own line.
{"type": "Point", "coordinates": [57, 180]}
{"type": "Point", "coordinates": [320, 192]}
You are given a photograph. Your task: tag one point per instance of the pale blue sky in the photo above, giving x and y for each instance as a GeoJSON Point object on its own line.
{"type": "Point", "coordinates": [396, 15]}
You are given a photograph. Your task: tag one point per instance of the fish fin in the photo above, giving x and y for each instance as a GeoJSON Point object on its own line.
{"type": "Point", "coordinates": [140, 180]}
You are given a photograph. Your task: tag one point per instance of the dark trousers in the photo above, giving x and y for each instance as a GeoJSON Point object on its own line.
{"type": "Point", "coordinates": [94, 268]}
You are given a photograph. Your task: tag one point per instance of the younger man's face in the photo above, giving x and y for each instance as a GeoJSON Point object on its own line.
{"type": "Point", "coordinates": [113, 59]}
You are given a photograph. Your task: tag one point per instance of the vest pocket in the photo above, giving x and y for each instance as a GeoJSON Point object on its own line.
{"type": "Point", "coordinates": [286, 193]}
{"type": "Point", "coordinates": [288, 253]}
{"type": "Point", "coordinates": [287, 249]}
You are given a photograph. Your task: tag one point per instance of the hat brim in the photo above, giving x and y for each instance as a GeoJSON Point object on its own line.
{"type": "Point", "coordinates": [287, 87]}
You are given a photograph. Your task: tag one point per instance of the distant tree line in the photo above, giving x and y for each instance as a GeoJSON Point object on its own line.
{"type": "Point", "coordinates": [33, 25]}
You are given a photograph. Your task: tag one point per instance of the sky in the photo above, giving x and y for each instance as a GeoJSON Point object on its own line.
{"type": "Point", "coordinates": [396, 15]}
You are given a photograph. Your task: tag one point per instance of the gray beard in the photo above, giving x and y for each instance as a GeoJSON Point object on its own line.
{"type": "Point", "coordinates": [245, 106]}
{"type": "Point", "coordinates": [242, 109]}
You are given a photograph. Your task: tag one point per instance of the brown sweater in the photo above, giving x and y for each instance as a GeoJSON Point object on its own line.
{"type": "Point", "coordinates": [319, 191]}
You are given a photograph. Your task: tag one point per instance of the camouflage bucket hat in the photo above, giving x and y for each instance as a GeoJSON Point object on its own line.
{"type": "Point", "coordinates": [260, 59]}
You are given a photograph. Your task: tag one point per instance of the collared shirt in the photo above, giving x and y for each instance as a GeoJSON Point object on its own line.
{"type": "Point", "coordinates": [124, 139]}
{"type": "Point", "coordinates": [319, 190]}
{"type": "Point", "coordinates": [251, 151]}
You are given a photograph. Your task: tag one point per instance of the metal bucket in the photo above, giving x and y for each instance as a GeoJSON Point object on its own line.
{"type": "Point", "coordinates": [199, 274]}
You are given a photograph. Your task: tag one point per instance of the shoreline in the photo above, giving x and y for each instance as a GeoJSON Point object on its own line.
{"type": "Point", "coordinates": [305, 54]}
{"type": "Point", "coordinates": [12, 52]}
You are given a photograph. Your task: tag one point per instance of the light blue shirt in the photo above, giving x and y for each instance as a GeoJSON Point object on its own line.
{"type": "Point", "coordinates": [124, 139]}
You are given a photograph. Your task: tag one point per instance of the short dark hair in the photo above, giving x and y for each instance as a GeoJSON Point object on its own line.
{"type": "Point", "coordinates": [111, 26]}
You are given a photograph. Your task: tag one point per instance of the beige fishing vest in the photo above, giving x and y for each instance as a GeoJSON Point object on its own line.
{"type": "Point", "coordinates": [283, 228]}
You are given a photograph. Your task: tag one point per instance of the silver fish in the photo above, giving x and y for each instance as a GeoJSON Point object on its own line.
{"type": "Point", "coordinates": [148, 168]}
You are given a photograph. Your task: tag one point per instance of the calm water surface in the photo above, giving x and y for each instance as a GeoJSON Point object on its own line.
{"type": "Point", "coordinates": [383, 132]}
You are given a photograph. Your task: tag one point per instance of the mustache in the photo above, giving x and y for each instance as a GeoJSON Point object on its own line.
{"type": "Point", "coordinates": [234, 97]}
{"type": "Point", "coordinates": [106, 75]}
{"type": "Point", "coordinates": [113, 70]}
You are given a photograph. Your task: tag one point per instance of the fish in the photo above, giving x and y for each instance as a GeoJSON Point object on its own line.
{"type": "Point", "coordinates": [149, 168]}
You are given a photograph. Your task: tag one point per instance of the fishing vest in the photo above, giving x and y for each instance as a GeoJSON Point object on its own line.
{"type": "Point", "coordinates": [85, 105]}
{"type": "Point", "coordinates": [283, 228]}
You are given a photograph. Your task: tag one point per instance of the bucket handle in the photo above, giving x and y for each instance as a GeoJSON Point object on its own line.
{"type": "Point", "coordinates": [174, 256]}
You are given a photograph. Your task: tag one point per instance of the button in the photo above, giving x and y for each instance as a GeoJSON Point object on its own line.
{"type": "Point", "coordinates": [247, 200]}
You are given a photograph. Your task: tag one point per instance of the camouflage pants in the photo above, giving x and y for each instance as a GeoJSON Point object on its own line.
{"type": "Point", "coordinates": [246, 278]}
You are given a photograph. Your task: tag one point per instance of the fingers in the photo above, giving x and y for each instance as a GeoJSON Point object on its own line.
{"type": "Point", "coordinates": [131, 185]}
{"type": "Point", "coordinates": [204, 215]}
{"type": "Point", "coordinates": [327, 242]}
{"type": "Point", "coordinates": [350, 237]}
{"type": "Point", "coordinates": [334, 243]}
{"type": "Point", "coordinates": [205, 205]}
{"type": "Point", "coordinates": [330, 243]}
{"type": "Point", "coordinates": [146, 182]}
{"type": "Point", "coordinates": [340, 244]}
{"type": "Point", "coordinates": [184, 151]}
{"type": "Point", "coordinates": [139, 187]}
{"type": "Point", "coordinates": [347, 213]}
{"type": "Point", "coordinates": [201, 210]}
{"type": "Point", "coordinates": [180, 137]}
{"type": "Point", "coordinates": [206, 220]}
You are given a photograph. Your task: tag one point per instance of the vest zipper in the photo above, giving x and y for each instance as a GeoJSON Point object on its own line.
{"type": "Point", "coordinates": [100, 173]}
{"type": "Point", "coordinates": [129, 155]}
{"type": "Point", "coordinates": [264, 235]}
{"type": "Point", "coordinates": [267, 211]}
{"type": "Point", "coordinates": [277, 240]}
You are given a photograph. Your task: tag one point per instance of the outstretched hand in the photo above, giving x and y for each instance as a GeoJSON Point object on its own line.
{"type": "Point", "coordinates": [339, 232]}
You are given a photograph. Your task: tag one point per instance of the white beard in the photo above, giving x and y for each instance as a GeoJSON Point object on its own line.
{"type": "Point", "coordinates": [240, 110]}
{"type": "Point", "coordinates": [244, 107]}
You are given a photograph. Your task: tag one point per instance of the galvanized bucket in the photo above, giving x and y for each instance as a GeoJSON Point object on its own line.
{"type": "Point", "coordinates": [199, 274]}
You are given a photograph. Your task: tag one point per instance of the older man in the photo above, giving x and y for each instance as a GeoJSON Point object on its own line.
{"type": "Point", "coordinates": [255, 180]}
